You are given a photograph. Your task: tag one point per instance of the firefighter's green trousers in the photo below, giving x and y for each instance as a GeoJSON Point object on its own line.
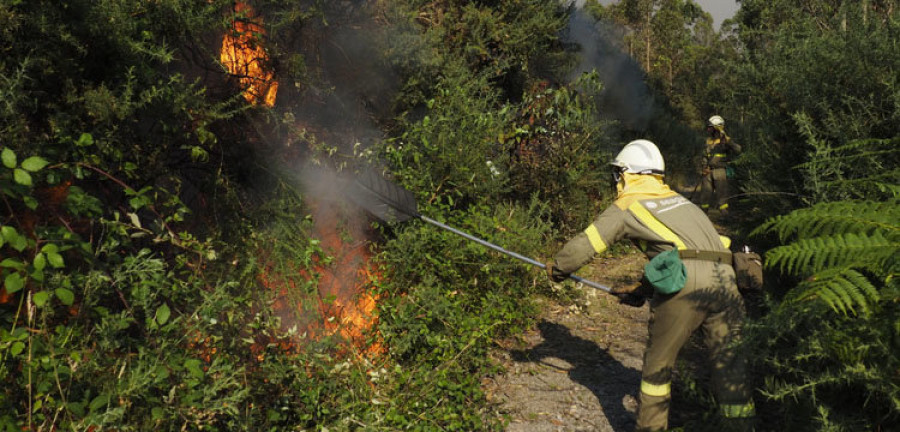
{"type": "Point", "coordinates": [711, 302]}
{"type": "Point", "coordinates": [714, 190]}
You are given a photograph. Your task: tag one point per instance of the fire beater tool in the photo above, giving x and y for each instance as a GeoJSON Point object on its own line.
{"type": "Point", "coordinates": [392, 203]}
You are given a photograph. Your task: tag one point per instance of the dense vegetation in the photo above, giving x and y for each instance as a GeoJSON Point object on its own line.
{"type": "Point", "coordinates": [148, 234]}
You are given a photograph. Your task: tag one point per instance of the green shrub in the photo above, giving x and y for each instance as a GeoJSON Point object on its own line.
{"type": "Point", "coordinates": [829, 345]}
{"type": "Point", "coordinates": [448, 299]}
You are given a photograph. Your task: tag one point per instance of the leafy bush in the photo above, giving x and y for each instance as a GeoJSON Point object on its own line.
{"type": "Point", "coordinates": [81, 312]}
{"type": "Point", "coordinates": [832, 370]}
{"type": "Point", "coordinates": [122, 306]}
{"type": "Point", "coordinates": [811, 86]}
{"type": "Point", "coordinates": [557, 152]}
{"type": "Point", "coordinates": [448, 299]}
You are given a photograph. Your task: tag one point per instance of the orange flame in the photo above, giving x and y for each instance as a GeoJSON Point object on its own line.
{"type": "Point", "coordinates": [345, 283]}
{"type": "Point", "coordinates": [343, 298]}
{"type": "Point", "coordinates": [246, 59]}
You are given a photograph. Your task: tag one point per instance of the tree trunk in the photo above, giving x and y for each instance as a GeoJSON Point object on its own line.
{"type": "Point", "coordinates": [647, 35]}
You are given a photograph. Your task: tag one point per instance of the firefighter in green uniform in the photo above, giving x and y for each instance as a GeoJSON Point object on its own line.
{"type": "Point", "coordinates": [691, 276]}
{"type": "Point", "coordinates": [718, 154]}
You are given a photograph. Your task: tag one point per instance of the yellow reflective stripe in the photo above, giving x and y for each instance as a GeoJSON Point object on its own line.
{"type": "Point", "coordinates": [719, 155]}
{"type": "Point", "coordinates": [655, 225]}
{"type": "Point", "coordinates": [725, 241]}
{"type": "Point", "coordinates": [594, 237]}
{"type": "Point", "coordinates": [656, 389]}
{"type": "Point", "coordinates": [738, 410]}
{"type": "Point", "coordinates": [723, 206]}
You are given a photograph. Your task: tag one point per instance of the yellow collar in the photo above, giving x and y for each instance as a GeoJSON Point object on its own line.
{"type": "Point", "coordinates": [641, 186]}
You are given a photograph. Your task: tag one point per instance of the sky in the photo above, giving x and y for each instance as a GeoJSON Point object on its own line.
{"type": "Point", "coordinates": [719, 9]}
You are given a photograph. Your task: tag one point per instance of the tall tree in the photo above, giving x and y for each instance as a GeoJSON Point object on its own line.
{"type": "Point", "coordinates": [673, 26]}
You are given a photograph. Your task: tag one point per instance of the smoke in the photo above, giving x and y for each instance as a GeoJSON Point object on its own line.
{"type": "Point", "coordinates": [347, 87]}
{"type": "Point", "coordinates": [625, 96]}
{"type": "Point", "coordinates": [340, 102]}
{"type": "Point", "coordinates": [350, 86]}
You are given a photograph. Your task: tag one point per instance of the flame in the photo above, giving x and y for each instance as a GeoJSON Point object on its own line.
{"type": "Point", "coordinates": [342, 297]}
{"type": "Point", "coordinates": [345, 283]}
{"type": "Point", "coordinates": [343, 305]}
{"type": "Point", "coordinates": [246, 59]}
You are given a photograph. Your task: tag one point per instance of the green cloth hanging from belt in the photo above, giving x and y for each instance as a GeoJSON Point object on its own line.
{"type": "Point", "coordinates": [666, 272]}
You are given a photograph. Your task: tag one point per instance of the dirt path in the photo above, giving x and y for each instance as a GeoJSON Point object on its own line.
{"type": "Point", "coordinates": [580, 368]}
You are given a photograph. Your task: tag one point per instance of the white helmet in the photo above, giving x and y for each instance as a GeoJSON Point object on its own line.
{"type": "Point", "coordinates": [640, 157]}
{"type": "Point", "coordinates": [716, 122]}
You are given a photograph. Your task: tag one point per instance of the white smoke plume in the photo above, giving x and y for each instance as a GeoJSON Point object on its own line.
{"type": "Point", "coordinates": [625, 96]}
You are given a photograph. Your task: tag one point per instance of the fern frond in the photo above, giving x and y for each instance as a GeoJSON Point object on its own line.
{"type": "Point", "coordinates": [844, 290]}
{"type": "Point", "coordinates": [882, 181]}
{"type": "Point", "coordinates": [809, 256]}
{"type": "Point", "coordinates": [891, 189]}
{"type": "Point", "coordinates": [859, 217]}
{"type": "Point", "coordinates": [857, 151]}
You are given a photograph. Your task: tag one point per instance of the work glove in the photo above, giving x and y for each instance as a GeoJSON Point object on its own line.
{"type": "Point", "coordinates": [634, 295]}
{"type": "Point", "coordinates": [554, 274]}
{"type": "Point", "coordinates": [631, 299]}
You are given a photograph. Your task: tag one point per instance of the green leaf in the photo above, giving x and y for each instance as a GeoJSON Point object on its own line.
{"type": "Point", "coordinates": [13, 282]}
{"type": "Point", "coordinates": [8, 157]}
{"type": "Point", "coordinates": [34, 164]}
{"type": "Point", "coordinates": [41, 298]}
{"type": "Point", "coordinates": [30, 202]}
{"type": "Point", "coordinates": [138, 202]}
{"type": "Point", "coordinates": [12, 263]}
{"type": "Point", "coordinates": [8, 232]}
{"type": "Point", "coordinates": [39, 262]}
{"type": "Point", "coordinates": [162, 314]}
{"type": "Point", "coordinates": [193, 366]}
{"type": "Point", "coordinates": [85, 140]}
{"type": "Point", "coordinates": [162, 372]}
{"type": "Point", "coordinates": [56, 260]}
{"type": "Point", "coordinates": [199, 154]}
{"type": "Point", "coordinates": [99, 402]}
{"type": "Point", "coordinates": [66, 296]}
{"type": "Point", "coordinates": [135, 220]}
{"type": "Point", "coordinates": [18, 242]}
{"type": "Point", "coordinates": [22, 177]}
{"type": "Point", "coordinates": [17, 348]}
{"type": "Point", "coordinates": [157, 413]}
{"type": "Point", "coordinates": [37, 275]}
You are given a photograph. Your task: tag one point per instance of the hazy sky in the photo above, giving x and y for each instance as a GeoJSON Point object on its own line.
{"type": "Point", "coordinates": [719, 9]}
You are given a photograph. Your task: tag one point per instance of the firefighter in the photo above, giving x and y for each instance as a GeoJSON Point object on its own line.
{"type": "Point", "coordinates": [716, 170]}
{"type": "Point", "coordinates": [689, 279]}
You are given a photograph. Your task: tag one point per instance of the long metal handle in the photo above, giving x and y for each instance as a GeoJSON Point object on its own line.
{"type": "Point", "coordinates": [533, 262]}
